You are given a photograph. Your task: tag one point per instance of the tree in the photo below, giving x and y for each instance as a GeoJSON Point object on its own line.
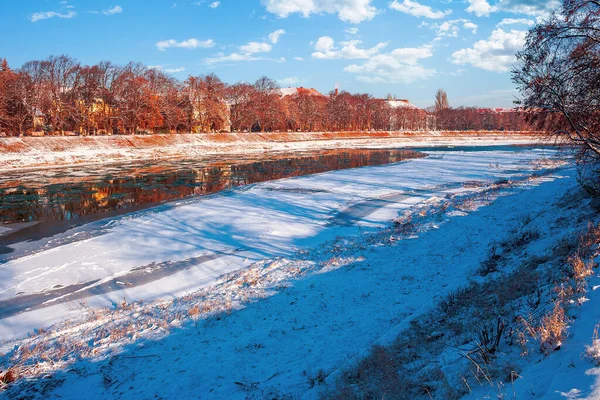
{"type": "Point", "coordinates": [59, 94]}
{"type": "Point", "coordinates": [206, 105]}
{"type": "Point", "coordinates": [239, 97]}
{"type": "Point", "coordinates": [267, 106]}
{"type": "Point", "coordinates": [59, 76]}
{"type": "Point", "coordinates": [559, 74]}
{"type": "Point", "coordinates": [441, 101]}
{"type": "Point", "coordinates": [137, 99]}
{"type": "Point", "coordinates": [16, 110]}
{"type": "Point", "coordinates": [306, 110]}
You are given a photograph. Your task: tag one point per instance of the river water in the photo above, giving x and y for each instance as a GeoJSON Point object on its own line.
{"type": "Point", "coordinates": [76, 192]}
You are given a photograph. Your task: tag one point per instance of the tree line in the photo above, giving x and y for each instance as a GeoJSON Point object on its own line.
{"type": "Point", "coordinates": [59, 95]}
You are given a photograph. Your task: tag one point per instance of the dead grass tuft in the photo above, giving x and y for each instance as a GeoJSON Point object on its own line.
{"type": "Point", "coordinates": [8, 376]}
{"type": "Point", "coordinates": [579, 268]}
{"type": "Point", "coordinates": [592, 352]}
{"type": "Point", "coordinates": [194, 312]}
{"type": "Point", "coordinates": [551, 329]}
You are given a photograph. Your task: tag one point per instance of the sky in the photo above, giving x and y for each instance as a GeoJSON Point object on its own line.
{"type": "Point", "coordinates": [407, 48]}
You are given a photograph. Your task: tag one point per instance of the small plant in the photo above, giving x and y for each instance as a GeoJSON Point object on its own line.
{"type": "Point", "coordinates": [318, 379]}
{"type": "Point", "coordinates": [552, 329]}
{"type": "Point", "coordinates": [578, 268]}
{"type": "Point", "coordinates": [490, 265]}
{"type": "Point", "coordinates": [7, 377]}
{"type": "Point", "coordinates": [404, 226]}
{"type": "Point", "coordinates": [489, 340]}
{"type": "Point", "coordinates": [194, 312]}
{"type": "Point", "coordinates": [592, 352]}
{"type": "Point", "coordinates": [454, 300]}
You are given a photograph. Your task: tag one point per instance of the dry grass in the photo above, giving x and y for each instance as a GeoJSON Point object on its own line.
{"type": "Point", "coordinates": [579, 268]}
{"type": "Point", "coordinates": [593, 352]}
{"type": "Point", "coordinates": [7, 377]}
{"type": "Point", "coordinates": [413, 366]}
{"type": "Point", "coordinates": [549, 331]}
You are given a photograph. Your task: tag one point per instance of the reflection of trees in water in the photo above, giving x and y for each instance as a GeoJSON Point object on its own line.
{"type": "Point", "coordinates": [67, 200]}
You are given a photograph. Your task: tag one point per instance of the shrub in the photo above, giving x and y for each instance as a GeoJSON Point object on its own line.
{"type": "Point", "coordinates": [552, 329]}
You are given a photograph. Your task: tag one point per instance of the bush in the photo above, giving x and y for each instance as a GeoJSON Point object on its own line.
{"type": "Point", "coordinates": [588, 176]}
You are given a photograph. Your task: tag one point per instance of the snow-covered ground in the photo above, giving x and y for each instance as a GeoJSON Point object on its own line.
{"type": "Point", "coordinates": [30, 152]}
{"type": "Point", "coordinates": [277, 287]}
{"type": "Point", "coordinates": [170, 250]}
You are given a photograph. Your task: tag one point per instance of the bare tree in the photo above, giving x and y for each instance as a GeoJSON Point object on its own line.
{"type": "Point", "coordinates": [16, 109]}
{"type": "Point", "coordinates": [240, 97]}
{"type": "Point", "coordinates": [206, 103]}
{"type": "Point", "coordinates": [559, 73]}
{"type": "Point", "coordinates": [267, 105]}
{"type": "Point", "coordinates": [60, 94]}
{"type": "Point", "coordinates": [441, 101]}
{"type": "Point", "coordinates": [559, 80]}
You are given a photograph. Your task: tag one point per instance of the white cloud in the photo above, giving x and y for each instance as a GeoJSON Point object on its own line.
{"type": "Point", "coordinates": [496, 54]}
{"type": "Point", "coordinates": [248, 52]}
{"type": "Point", "coordinates": [113, 10]}
{"type": "Point", "coordinates": [191, 43]}
{"type": "Point", "coordinates": [326, 49]}
{"type": "Point", "coordinates": [256, 47]}
{"type": "Point", "coordinates": [51, 14]}
{"type": "Point", "coordinates": [529, 7]}
{"type": "Point", "coordinates": [215, 4]}
{"type": "Point", "coordinates": [351, 31]}
{"type": "Point", "coordinates": [174, 70]}
{"type": "Point", "coordinates": [470, 25]}
{"type": "Point", "coordinates": [298, 58]}
{"type": "Point", "coordinates": [480, 8]}
{"type": "Point", "coordinates": [324, 43]}
{"type": "Point", "coordinates": [292, 81]}
{"type": "Point", "coordinates": [399, 66]}
{"type": "Point", "coordinates": [167, 70]}
{"type": "Point", "coordinates": [450, 28]}
{"type": "Point", "coordinates": [416, 9]}
{"type": "Point", "coordinates": [513, 21]}
{"type": "Point", "coordinates": [275, 36]}
{"type": "Point", "coordinates": [233, 57]}
{"type": "Point", "coordinates": [353, 11]}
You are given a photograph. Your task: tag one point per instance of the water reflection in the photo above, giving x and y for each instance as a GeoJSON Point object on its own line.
{"type": "Point", "coordinates": [72, 193]}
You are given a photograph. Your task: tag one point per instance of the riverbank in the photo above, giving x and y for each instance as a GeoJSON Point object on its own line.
{"type": "Point", "coordinates": [283, 326]}
{"type": "Point", "coordinates": [17, 153]}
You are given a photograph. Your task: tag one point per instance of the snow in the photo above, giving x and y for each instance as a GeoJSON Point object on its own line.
{"type": "Point", "coordinates": [204, 238]}
{"type": "Point", "coordinates": [20, 153]}
{"type": "Point", "coordinates": [324, 278]}
{"type": "Point", "coordinates": [568, 373]}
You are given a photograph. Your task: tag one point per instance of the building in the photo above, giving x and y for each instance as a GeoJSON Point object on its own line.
{"type": "Point", "coordinates": [290, 91]}
{"type": "Point", "coordinates": [401, 103]}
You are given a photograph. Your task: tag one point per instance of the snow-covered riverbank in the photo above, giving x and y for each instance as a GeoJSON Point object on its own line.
{"type": "Point", "coordinates": [33, 152]}
{"type": "Point", "coordinates": [170, 250]}
{"type": "Point", "coordinates": [325, 278]}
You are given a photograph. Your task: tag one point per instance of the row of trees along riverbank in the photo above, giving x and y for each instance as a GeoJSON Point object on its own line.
{"type": "Point", "coordinates": [59, 94]}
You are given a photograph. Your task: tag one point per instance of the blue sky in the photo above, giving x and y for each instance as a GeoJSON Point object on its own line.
{"type": "Point", "coordinates": [409, 48]}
